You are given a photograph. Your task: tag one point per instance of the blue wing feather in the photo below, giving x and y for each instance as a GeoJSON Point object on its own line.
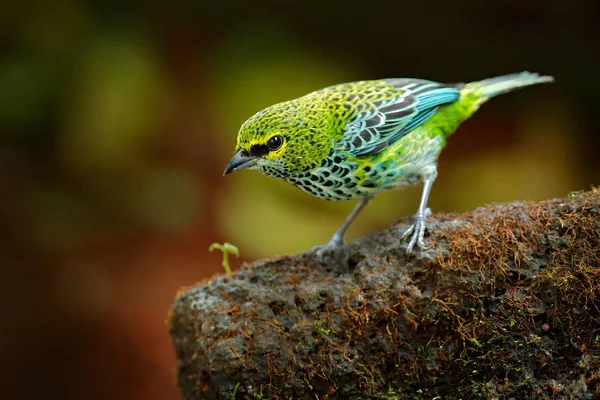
{"type": "Point", "coordinates": [416, 121]}
{"type": "Point", "coordinates": [416, 102]}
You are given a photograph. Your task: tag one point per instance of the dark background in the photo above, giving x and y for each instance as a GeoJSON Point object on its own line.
{"type": "Point", "coordinates": [116, 122]}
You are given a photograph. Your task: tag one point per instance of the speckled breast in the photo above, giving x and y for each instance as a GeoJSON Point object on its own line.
{"type": "Point", "coordinates": [338, 178]}
{"type": "Point", "coordinates": [344, 181]}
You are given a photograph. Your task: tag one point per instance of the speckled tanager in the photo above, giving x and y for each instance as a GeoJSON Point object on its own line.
{"type": "Point", "coordinates": [354, 140]}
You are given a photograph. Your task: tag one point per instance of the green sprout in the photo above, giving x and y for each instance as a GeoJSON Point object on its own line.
{"type": "Point", "coordinates": [235, 389]}
{"type": "Point", "coordinates": [226, 248]}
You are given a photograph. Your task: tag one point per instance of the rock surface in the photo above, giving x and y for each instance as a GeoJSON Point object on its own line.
{"type": "Point", "coordinates": [504, 304]}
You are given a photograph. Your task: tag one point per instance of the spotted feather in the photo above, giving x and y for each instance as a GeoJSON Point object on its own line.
{"type": "Point", "coordinates": [385, 122]}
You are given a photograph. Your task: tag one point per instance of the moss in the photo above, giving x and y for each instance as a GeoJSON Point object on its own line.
{"type": "Point", "coordinates": [319, 328]}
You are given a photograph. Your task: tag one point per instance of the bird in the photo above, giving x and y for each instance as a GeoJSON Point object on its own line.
{"type": "Point", "coordinates": [354, 140]}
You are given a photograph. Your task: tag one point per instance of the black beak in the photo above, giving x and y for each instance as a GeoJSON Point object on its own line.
{"type": "Point", "coordinates": [240, 160]}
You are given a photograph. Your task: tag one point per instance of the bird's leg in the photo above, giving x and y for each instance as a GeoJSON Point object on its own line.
{"type": "Point", "coordinates": [417, 229]}
{"type": "Point", "coordinates": [338, 237]}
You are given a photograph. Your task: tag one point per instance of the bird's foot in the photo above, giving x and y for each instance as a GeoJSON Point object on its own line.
{"type": "Point", "coordinates": [333, 244]}
{"type": "Point", "coordinates": [417, 230]}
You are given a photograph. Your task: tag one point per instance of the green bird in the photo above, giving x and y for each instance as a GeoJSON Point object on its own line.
{"type": "Point", "coordinates": [354, 140]}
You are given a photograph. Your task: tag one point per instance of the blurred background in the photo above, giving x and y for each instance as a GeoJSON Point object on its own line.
{"type": "Point", "coordinates": [117, 120]}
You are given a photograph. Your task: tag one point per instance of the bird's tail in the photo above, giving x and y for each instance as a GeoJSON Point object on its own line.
{"type": "Point", "coordinates": [488, 88]}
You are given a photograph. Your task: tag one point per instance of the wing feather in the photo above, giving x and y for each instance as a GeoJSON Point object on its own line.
{"type": "Point", "coordinates": [387, 121]}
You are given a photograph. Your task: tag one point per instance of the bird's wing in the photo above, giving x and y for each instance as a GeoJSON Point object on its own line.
{"type": "Point", "coordinates": [384, 122]}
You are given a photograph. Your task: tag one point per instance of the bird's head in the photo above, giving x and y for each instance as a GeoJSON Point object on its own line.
{"type": "Point", "coordinates": [282, 139]}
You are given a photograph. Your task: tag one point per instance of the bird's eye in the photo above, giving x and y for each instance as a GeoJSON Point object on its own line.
{"type": "Point", "coordinates": [275, 142]}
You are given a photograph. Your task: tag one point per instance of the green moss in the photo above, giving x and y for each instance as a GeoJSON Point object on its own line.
{"type": "Point", "coordinates": [481, 391]}
{"type": "Point", "coordinates": [320, 329]}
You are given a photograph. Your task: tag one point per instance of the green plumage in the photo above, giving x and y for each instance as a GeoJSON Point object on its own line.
{"type": "Point", "coordinates": [356, 139]}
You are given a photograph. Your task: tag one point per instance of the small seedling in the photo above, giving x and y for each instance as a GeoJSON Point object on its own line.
{"type": "Point", "coordinates": [237, 386]}
{"type": "Point", "coordinates": [226, 248]}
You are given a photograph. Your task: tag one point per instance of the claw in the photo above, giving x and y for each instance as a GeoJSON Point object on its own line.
{"type": "Point", "coordinates": [417, 229]}
{"type": "Point", "coordinates": [408, 231]}
{"type": "Point", "coordinates": [333, 244]}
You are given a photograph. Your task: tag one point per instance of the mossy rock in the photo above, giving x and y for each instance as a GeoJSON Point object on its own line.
{"type": "Point", "coordinates": [505, 303]}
